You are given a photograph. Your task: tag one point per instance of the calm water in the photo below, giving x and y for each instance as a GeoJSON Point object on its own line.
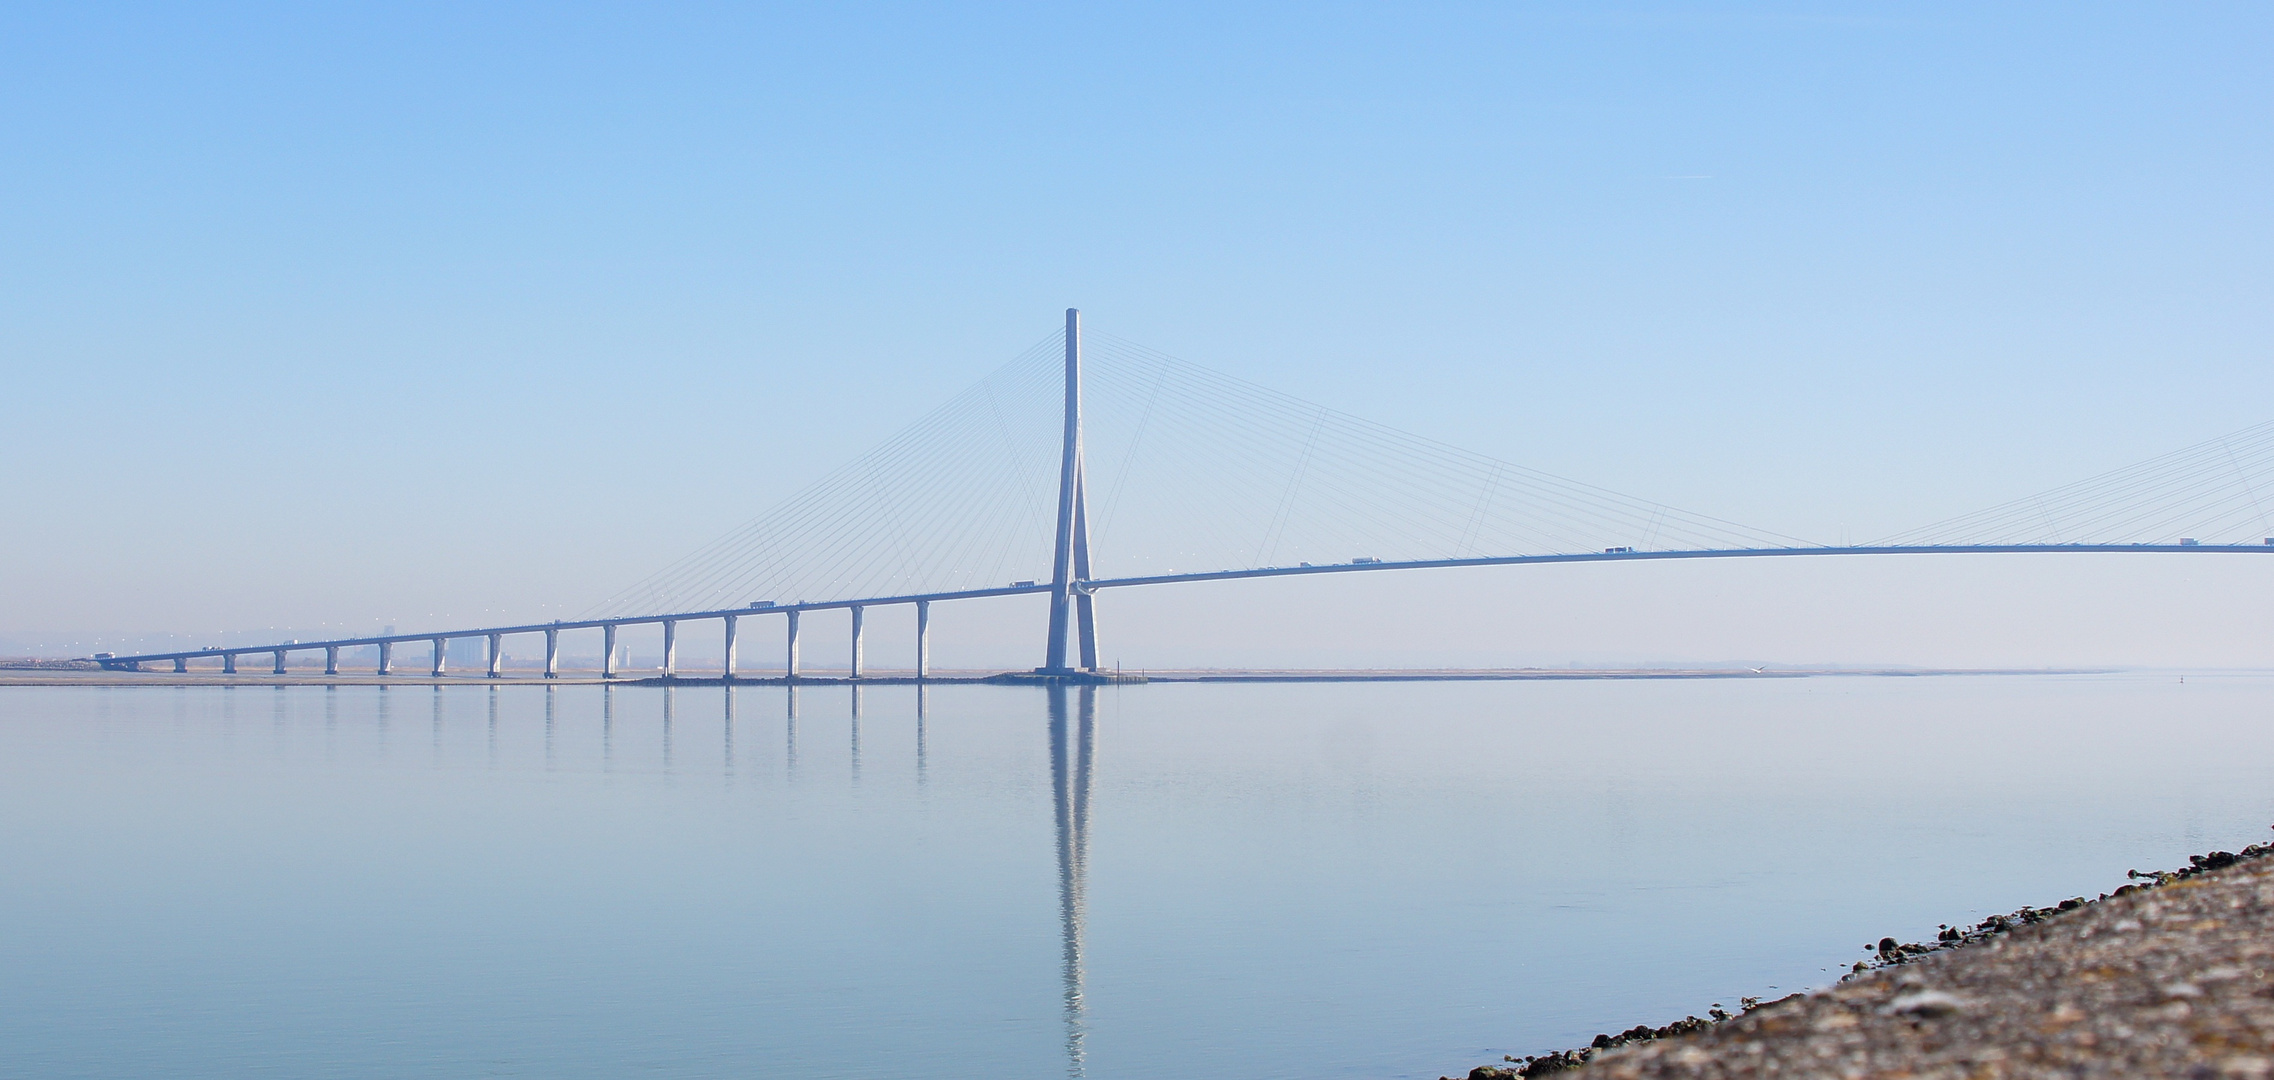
{"type": "Point", "coordinates": [1155, 881]}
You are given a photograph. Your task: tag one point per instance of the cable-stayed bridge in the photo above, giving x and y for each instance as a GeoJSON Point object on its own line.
{"type": "Point", "coordinates": [1180, 474]}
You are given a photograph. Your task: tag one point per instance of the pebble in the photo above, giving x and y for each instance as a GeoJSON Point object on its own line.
{"type": "Point", "coordinates": [1926, 1003]}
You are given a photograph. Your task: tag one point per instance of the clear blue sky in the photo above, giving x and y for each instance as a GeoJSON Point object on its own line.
{"type": "Point", "coordinates": [359, 314]}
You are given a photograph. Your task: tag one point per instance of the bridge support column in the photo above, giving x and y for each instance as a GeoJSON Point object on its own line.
{"type": "Point", "coordinates": [1069, 485]}
{"type": "Point", "coordinates": [923, 639]}
{"type": "Point", "coordinates": [789, 659]}
{"type": "Point", "coordinates": [1086, 622]}
{"type": "Point", "coordinates": [386, 658]}
{"type": "Point", "coordinates": [726, 670]}
{"type": "Point", "coordinates": [331, 659]}
{"type": "Point", "coordinates": [856, 668]}
{"type": "Point", "coordinates": [497, 654]}
{"type": "Point", "coordinates": [229, 663]}
{"type": "Point", "coordinates": [552, 654]}
{"type": "Point", "coordinates": [181, 664]}
{"type": "Point", "coordinates": [608, 651]}
{"type": "Point", "coordinates": [670, 648]}
{"type": "Point", "coordinates": [1085, 605]}
{"type": "Point", "coordinates": [439, 664]}
{"type": "Point", "coordinates": [279, 669]}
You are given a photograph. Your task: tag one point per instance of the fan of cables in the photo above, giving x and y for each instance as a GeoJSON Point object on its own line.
{"type": "Point", "coordinates": [1188, 470]}
{"type": "Point", "coordinates": [2208, 492]}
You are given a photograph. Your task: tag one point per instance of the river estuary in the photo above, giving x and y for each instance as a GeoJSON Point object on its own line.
{"type": "Point", "coordinates": [1153, 881]}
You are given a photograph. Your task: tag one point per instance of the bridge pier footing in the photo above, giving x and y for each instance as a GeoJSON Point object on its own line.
{"type": "Point", "coordinates": [1064, 677]}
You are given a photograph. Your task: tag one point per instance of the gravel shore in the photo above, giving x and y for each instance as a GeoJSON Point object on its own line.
{"type": "Point", "coordinates": [2171, 977]}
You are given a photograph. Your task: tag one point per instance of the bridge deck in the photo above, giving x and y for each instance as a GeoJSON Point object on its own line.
{"type": "Point", "coordinates": [1179, 578]}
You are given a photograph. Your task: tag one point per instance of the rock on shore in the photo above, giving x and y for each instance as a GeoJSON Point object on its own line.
{"type": "Point", "coordinates": [2172, 978]}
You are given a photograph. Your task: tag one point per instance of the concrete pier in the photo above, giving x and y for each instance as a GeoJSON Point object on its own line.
{"type": "Point", "coordinates": [923, 639]}
{"type": "Point", "coordinates": [789, 659]}
{"type": "Point", "coordinates": [608, 651]}
{"type": "Point", "coordinates": [279, 669]}
{"type": "Point", "coordinates": [552, 654]}
{"type": "Point", "coordinates": [229, 663]}
{"type": "Point", "coordinates": [181, 664]}
{"type": "Point", "coordinates": [856, 665]}
{"type": "Point", "coordinates": [440, 665]}
{"type": "Point", "coordinates": [497, 655]}
{"type": "Point", "coordinates": [331, 659]}
{"type": "Point", "coordinates": [726, 669]}
{"type": "Point", "coordinates": [670, 648]}
{"type": "Point", "coordinates": [386, 658]}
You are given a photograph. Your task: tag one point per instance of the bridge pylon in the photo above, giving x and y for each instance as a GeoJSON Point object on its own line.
{"type": "Point", "coordinates": [1070, 599]}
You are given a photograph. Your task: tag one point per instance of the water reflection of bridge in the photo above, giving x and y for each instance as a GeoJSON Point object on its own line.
{"type": "Point", "coordinates": [1072, 713]}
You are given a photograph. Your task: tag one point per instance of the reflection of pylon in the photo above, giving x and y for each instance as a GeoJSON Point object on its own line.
{"type": "Point", "coordinates": [1070, 564]}
{"type": "Point", "coordinates": [1070, 761]}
